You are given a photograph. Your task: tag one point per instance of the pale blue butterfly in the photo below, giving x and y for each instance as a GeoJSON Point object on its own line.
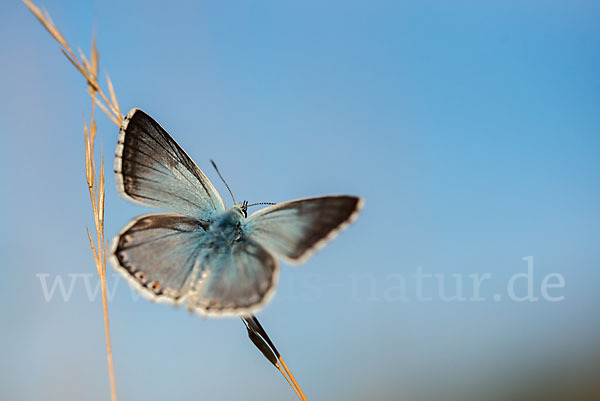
{"type": "Point", "coordinates": [222, 262]}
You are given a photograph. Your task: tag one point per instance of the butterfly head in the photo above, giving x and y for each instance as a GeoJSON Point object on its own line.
{"type": "Point", "coordinates": [241, 208]}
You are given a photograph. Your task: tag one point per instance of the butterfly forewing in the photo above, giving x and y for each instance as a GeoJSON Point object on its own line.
{"type": "Point", "coordinates": [293, 230]}
{"type": "Point", "coordinates": [158, 252]}
{"type": "Point", "coordinates": [152, 169]}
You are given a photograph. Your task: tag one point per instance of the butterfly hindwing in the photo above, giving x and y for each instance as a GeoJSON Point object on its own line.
{"type": "Point", "coordinates": [293, 230]}
{"type": "Point", "coordinates": [152, 169]}
{"type": "Point", "coordinates": [235, 280]}
{"type": "Point", "coordinates": [158, 253]}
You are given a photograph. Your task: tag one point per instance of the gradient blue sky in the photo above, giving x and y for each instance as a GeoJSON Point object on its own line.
{"type": "Point", "coordinates": [471, 128]}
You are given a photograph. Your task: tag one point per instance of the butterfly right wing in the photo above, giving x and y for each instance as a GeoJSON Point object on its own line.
{"type": "Point", "coordinates": [294, 230]}
{"type": "Point", "coordinates": [160, 254]}
{"type": "Point", "coordinates": [152, 169]}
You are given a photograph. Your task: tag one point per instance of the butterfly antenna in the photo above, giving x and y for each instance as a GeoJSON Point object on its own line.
{"type": "Point", "coordinates": [223, 179]}
{"type": "Point", "coordinates": [261, 203]}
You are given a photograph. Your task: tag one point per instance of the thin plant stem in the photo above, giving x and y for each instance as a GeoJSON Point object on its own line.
{"type": "Point", "coordinates": [96, 191]}
{"type": "Point", "coordinates": [89, 70]}
{"type": "Point", "coordinates": [278, 366]}
{"type": "Point", "coordinates": [296, 385]}
{"type": "Point", "coordinates": [95, 182]}
{"type": "Point", "coordinates": [261, 340]}
{"type": "Point", "coordinates": [109, 356]}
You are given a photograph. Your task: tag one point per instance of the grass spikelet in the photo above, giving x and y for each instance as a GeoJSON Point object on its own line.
{"type": "Point", "coordinates": [111, 91]}
{"type": "Point", "coordinates": [95, 180]}
{"type": "Point", "coordinates": [99, 247]}
{"type": "Point", "coordinates": [89, 69]}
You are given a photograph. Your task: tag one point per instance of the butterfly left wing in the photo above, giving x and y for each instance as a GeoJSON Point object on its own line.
{"type": "Point", "coordinates": [236, 279]}
{"type": "Point", "coordinates": [159, 253]}
{"type": "Point", "coordinates": [294, 230]}
{"type": "Point", "coordinates": [152, 169]}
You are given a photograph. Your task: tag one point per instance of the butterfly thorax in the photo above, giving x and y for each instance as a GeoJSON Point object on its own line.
{"type": "Point", "coordinates": [227, 227]}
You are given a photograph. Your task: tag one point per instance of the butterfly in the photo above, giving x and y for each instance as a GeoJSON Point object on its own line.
{"type": "Point", "coordinates": [220, 261]}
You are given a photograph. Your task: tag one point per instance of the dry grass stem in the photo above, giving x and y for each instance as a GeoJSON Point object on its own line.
{"type": "Point", "coordinates": [95, 180]}
{"type": "Point", "coordinates": [100, 245]}
{"type": "Point", "coordinates": [261, 340]}
{"type": "Point", "coordinates": [289, 381]}
{"type": "Point", "coordinates": [295, 383]}
{"type": "Point", "coordinates": [89, 69]}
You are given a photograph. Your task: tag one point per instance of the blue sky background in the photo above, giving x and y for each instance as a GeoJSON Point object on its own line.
{"type": "Point", "coordinates": [471, 129]}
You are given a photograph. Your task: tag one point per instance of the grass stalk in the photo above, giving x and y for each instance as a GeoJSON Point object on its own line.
{"type": "Point", "coordinates": [100, 245]}
{"type": "Point", "coordinates": [89, 69]}
{"type": "Point", "coordinates": [95, 180]}
{"type": "Point", "coordinates": [261, 340]}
